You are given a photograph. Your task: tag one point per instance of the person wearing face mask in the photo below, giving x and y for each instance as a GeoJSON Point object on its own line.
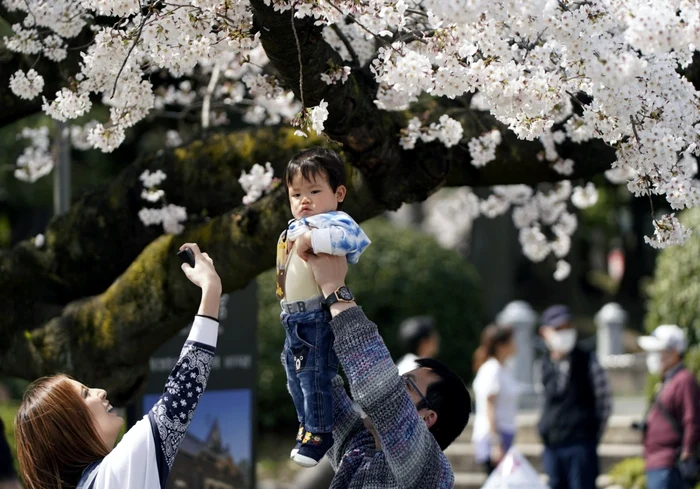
{"type": "Point", "coordinates": [577, 405]}
{"type": "Point", "coordinates": [672, 424]}
{"type": "Point", "coordinates": [496, 392]}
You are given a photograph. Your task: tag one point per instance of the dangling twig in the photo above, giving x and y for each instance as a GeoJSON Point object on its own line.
{"type": "Point", "coordinates": [301, 66]}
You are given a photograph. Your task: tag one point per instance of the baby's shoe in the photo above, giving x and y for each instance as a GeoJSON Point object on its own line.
{"type": "Point", "coordinates": [313, 447]}
{"type": "Point", "coordinates": [300, 437]}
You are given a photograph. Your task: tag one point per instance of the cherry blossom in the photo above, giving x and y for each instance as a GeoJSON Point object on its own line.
{"type": "Point", "coordinates": [257, 182]}
{"type": "Point", "coordinates": [555, 72]}
{"type": "Point", "coordinates": [483, 148]}
{"type": "Point", "coordinates": [26, 86]}
{"type": "Point", "coordinates": [36, 160]}
{"type": "Point", "coordinates": [170, 216]}
{"type": "Point", "coordinates": [584, 197]}
{"type": "Point", "coordinates": [563, 270]}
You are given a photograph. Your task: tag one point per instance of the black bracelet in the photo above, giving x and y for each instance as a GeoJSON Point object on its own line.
{"type": "Point", "coordinates": [208, 317]}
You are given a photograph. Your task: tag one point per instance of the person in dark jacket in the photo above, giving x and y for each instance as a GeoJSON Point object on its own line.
{"type": "Point", "coordinates": [577, 405]}
{"type": "Point", "coordinates": [672, 424]}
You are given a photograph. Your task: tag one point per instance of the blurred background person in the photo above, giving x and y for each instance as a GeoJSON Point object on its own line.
{"type": "Point", "coordinates": [577, 405]}
{"type": "Point", "coordinates": [419, 339]}
{"type": "Point", "coordinates": [496, 391]}
{"type": "Point", "coordinates": [672, 424]}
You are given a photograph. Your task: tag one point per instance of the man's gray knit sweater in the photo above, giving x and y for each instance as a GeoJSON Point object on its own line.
{"type": "Point", "coordinates": [409, 456]}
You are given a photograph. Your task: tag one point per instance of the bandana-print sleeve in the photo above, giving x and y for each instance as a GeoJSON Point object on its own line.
{"type": "Point", "coordinates": [172, 414]}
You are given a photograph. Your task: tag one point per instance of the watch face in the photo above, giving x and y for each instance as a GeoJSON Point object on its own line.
{"type": "Point", "coordinates": [345, 294]}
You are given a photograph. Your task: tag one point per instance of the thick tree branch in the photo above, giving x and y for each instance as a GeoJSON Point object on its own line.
{"type": "Point", "coordinates": [108, 338]}
{"type": "Point", "coordinates": [102, 231]}
{"type": "Point", "coordinates": [518, 161]}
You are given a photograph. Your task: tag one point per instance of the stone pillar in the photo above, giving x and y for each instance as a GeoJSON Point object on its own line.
{"type": "Point", "coordinates": [610, 321]}
{"type": "Point", "coordinates": [520, 316]}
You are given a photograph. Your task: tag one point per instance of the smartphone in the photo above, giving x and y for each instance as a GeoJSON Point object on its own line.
{"type": "Point", "coordinates": [187, 256]}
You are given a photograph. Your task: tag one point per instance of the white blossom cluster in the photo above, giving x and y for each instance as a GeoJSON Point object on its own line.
{"type": "Point", "coordinates": [175, 37]}
{"type": "Point", "coordinates": [482, 149]}
{"type": "Point", "coordinates": [667, 231]}
{"type": "Point", "coordinates": [35, 161]}
{"type": "Point", "coordinates": [336, 74]}
{"type": "Point", "coordinates": [259, 181]}
{"type": "Point", "coordinates": [530, 61]}
{"type": "Point", "coordinates": [541, 215]}
{"type": "Point", "coordinates": [449, 216]}
{"type": "Point", "coordinates": [170, 216]}
{"type": "Point", "coordinates": [269, 104]}
{"type": "Point", "coordinates": [26, 86]}
{"type": "Point", "coordinates": [549, 141]}
{"type": "Point", "coordinates": [311, 119]}
{"type": "Point", "coordinates": [447, 130]}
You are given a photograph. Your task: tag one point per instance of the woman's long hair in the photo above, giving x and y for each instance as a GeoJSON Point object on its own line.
{"type": "Point", "coordinates": [491, 337]}
{"type": "Point", "coordinates": [56, 438]}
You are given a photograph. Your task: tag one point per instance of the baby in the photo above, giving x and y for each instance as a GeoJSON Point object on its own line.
{"type": "Point", "coordinates": [315, 180]}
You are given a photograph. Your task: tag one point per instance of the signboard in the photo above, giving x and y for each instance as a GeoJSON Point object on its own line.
{"type": "Point", "coordinates": [218, 451]}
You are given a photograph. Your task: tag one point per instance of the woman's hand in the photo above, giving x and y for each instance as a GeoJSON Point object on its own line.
{"type": "Point", "coordinates": [203, 274]}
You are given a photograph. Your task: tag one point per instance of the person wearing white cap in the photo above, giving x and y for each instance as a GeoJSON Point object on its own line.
{"type": "Point", "coordinates": [672, 424]}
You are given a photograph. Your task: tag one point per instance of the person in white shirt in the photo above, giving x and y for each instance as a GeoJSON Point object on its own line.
{"type": "Point", "coordinates": [66, 432]}
{"type": "Point", "coordinates": [419, 339]}
{"type": "Point", "coordinates": [496, 391]}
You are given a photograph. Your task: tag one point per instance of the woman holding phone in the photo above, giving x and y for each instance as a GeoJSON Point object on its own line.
{"type": "Point", "coordinates": [66, 432]}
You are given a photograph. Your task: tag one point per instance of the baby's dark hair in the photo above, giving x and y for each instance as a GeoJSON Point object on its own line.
{"type": "Point", "coordinates": [316, 163]}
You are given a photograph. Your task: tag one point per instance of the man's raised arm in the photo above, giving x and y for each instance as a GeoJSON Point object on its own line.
{"type": "Point", "coordinates": [410, 449]}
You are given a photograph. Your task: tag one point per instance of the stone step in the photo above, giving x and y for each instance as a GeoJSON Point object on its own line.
{"type": "Point", "coordinates": [476, 480]}
{"type": "Point", "coordinates": [619, 430]}
{"type": "Point", "coordinates": [461, 455]}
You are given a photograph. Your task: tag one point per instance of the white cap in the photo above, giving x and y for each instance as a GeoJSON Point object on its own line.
{"type": "Point", "coordinates": [664, 337]}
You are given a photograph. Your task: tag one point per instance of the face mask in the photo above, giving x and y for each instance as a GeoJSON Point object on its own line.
{"type": "Point", "coordinates": [562, 341]}
{"type": "Point", "coordinates": [654, 362]}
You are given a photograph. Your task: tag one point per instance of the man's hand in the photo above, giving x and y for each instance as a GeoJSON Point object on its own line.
{"type": "Point", "coordinates": [304, 246]}
{"type": "Point", "coordinates": [329, 271]}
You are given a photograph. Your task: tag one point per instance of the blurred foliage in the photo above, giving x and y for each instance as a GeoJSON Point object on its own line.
{"type": "Point", "coordinates": [629, 474]}
{"type": "Point", "coordinates": [604, 214]}
{"type": "Point", "coordinates": [403, 273]}
{"type": "Point", "coordinates": [653, 383]}
{"type": "Point", "coordinates": [674, 294]}
{"type": "Point", "coordinates": [14, 386]}
{"type": "Point", "coordinates": [7, 414]}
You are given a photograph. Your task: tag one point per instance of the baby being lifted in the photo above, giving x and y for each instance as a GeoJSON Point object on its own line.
{"type": "Point", "coordinates": [315, 180]}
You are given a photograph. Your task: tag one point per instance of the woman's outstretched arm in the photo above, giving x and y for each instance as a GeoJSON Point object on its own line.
{"type": "Point", "coordinates": [145, 455]}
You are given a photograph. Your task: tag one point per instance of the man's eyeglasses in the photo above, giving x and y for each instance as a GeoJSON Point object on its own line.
{"type": "Point", "coordinates": [412, 385]}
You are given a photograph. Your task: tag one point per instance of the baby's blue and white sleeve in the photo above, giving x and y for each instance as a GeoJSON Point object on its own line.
{"type": "Point", "coordinates": [340, 236]}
